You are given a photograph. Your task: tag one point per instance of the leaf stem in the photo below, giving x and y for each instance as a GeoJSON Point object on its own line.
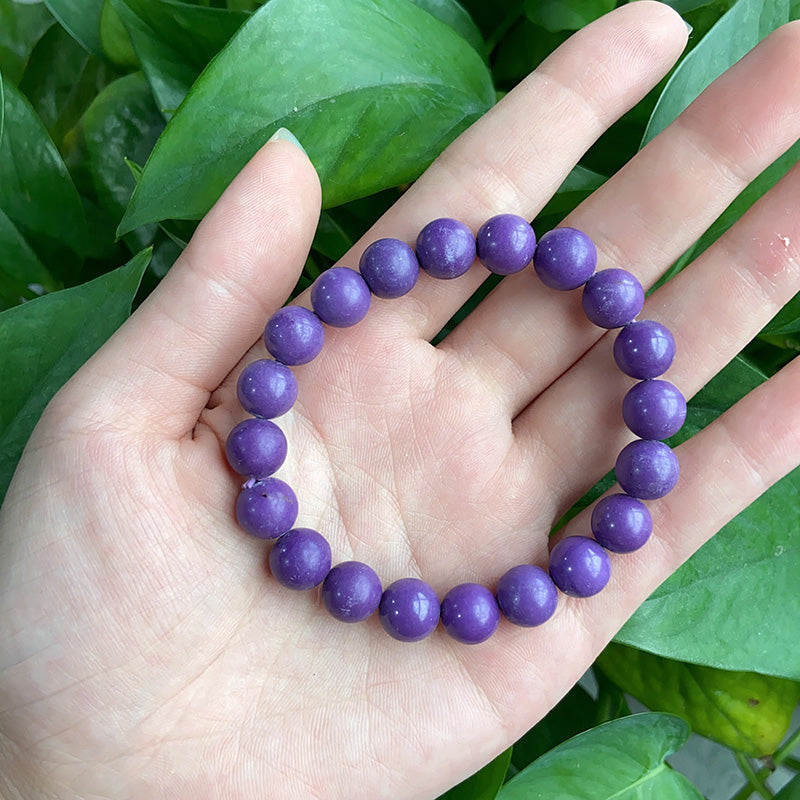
{"type": "Point", "coordinates": [785, 750]}
{"type": "Point", "coordinates": [755, 783]}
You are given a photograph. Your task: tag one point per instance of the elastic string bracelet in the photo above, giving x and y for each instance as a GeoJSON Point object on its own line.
{"type": "Point", "coordinates": [526, 595]}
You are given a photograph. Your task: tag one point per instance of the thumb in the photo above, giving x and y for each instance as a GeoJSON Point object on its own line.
{"type": "Point", "coordinates": [241, 264]}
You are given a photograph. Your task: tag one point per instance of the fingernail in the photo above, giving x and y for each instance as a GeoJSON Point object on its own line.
{"type": "Point", "coordinates": [688, 27]}
{"type": "Point", "coordinates": [285, 135]}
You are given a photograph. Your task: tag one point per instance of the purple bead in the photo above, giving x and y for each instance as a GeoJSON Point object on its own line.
{"type": "Point", "coordinates": [390, 268]}
{"type": "Point", "coordinates": [470, 613]}
{"type": "Point", "coordinates": [409, 610]}
{"type": "Point", "coordinates": [612, 298]}
{"type": "Point", "coordinates": [647, 469]}
{"type": "Point", "coordinates": [505, 244]}
{"type": "Point", "coordinates": [621, 523]}
{"type": "Point", "coordinates": [579, 566]}
{"type": "Point", "coordinates": [565, 258]}
{"type": "Point", "coordinates": [654, 409]}
{"type": "Point", "coordinates": [294, 335]}
{"type": "Point", "coordinates": [266, 388]}
{"type": "Point", "coordinates": [527, 595]}
{"type": "Point", "coordinates": [256, 447]}
{"type": "Point", "coordinates": [340, 297]}
{"type": "Point", "coordinates": [644, 349]}
{"type": "Point", "coordinates": [300, 559]}
{"type": "Point", "coordinates": [351, 591]}
{"type": "Point", "coordinates": [446, 248]}
{"type": "Point", "coordinates": [266, 508]}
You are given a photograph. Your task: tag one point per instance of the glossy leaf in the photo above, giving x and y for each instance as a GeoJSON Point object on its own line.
{"type": "Point", "coordinates": [60, 81]}
{"type": "Point", "coordinates": [622, 759]}
{"type": "Point", "coordinates": [81, 19]}
{"type": "Point", "coordinates": [734, 604]}
{"type": "Point", "coordinates": [738, 31]}
{"type": "Point", "coordinates": [742, 710]}
{"type": "Point", "coordinates": [174, 41]}
{"type": "Point", "coordinates": [397, 87]}
{"type": "Point", "coordinates": [455, 15]}
{"type": "Point", "coordinates": [484, 784]}
{"type": "Point", "coordinates": [36, 191]}
{"type": "Point", "coordinates": [74, 323]}
{"type": "Point", "coordinates": [557, 15]}
{"type": "Point", "coordinates": [22, 275]}
{"type": "Point", "coordinates": [21, 26]}
{"type": "Point", "coordinates": [122, 122]}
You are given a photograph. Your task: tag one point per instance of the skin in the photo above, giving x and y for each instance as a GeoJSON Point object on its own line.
{"type": "Point", "coordinates": [144, 650]}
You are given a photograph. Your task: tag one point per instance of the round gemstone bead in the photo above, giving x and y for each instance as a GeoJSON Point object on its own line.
{"type": "Point", "coordinates": [390, 268]}
{"type": "Point", "coordinates": [300, 559]}
{"type": "Point", "coordinates": [294, 335]}
{"type": "Point", "coordinates": [644, 349]}
{"type": "Point", "coordinates": [654, 409]}
{"type": "Point", "coordinates": [647, 469]}
{"type": "Point", "coordinates": [505, 244]}
{"type": "Point", "coordinates": [409, 610]}
{"type": "Point", "coordinates": [340, 297]}
{"type": "Point", "coordinates": [527, 595]}
{"type": "Point", "coordinates": [621, 523]}
{"type": "Point", "coordinates": [612, 298]}
{"type": "Point", "coordinates": [266, 388]}
{"type": "Point", "coordinates": [579, 566]}
{"type": "Point", "coordinates": [446, 248]}
{"type": "Point", "coordinates": [351, 591]}
{"type": "Point", "coordinates": [565, 258]}
{"type": "Point", "coordinates": [256, 447]}
{"type": "Point", "coordinates": [470, 613]}
{"type": "Point", "coordinates": [266, 508]}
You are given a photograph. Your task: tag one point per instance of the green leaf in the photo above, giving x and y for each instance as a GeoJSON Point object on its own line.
{"type": "Point", "coordinates": [737, 32]}
{"type": "Point", "coordinates": [330, 238]}
{"type": "Point", "coordinates": [455, 15]}
{"type": "Point", "coordinates": [74, 323]}
{"type": "Point", "coordinates": [566, 15]}
{"type": "Point", "coordinates": [60, 81]}
{"type": "Point", "coordinates": [36, 191]}
{"type": "Point", "coordinates": [397, 87]}
{"type": "Point", "coordinates": [122, 122]}
{"type": "Point", "coordinates": [81, 19]}
{"type": "Point", "coordinates": [791, 791]}
{"type": "Point", "coordinates": [734, 604]}
{"type": "Point", "coordinates": [742, 710]}
{"type": "Point", "coordinates": [21, 26]}
{"type": "Point", "coordinates": [574, 714]}
{"type": "Point", "coordinates": [22, 275]}
{"type": "Point", "coordinates": [622, 759]}
{"type": "Point", "coordinates": [484, 784]}
{"type": "Point", "coordinates": [175, 41]}
{"type": "Point", "coordinates": [115, 39]}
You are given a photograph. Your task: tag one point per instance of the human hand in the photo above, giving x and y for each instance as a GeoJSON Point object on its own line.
{"type": "Point", "coordinates": [145, 652]}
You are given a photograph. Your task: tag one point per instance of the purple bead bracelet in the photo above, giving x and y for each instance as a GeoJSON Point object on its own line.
{"type": "Point", "coordinates": [526, 595]}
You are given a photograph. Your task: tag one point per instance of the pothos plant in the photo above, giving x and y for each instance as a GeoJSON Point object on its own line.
{"type": "Point", "coordinates": [121, 122]}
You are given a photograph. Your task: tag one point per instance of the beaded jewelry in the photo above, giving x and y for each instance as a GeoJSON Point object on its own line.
{"type": "Point", "coordinates": [527, 595]}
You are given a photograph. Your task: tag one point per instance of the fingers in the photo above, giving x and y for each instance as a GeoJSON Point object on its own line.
{"type": "Point", "coordinates": [523, 335]}
{"type": "Point", "coordinates": [714, 308]}
{"type": "Point", "coordinates": [516, 156]}
{"type": "Point", "coordinates": [241, 264]}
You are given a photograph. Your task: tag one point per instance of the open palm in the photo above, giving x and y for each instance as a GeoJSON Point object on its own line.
{"type": "Point", "coordinates": [144, 650]}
